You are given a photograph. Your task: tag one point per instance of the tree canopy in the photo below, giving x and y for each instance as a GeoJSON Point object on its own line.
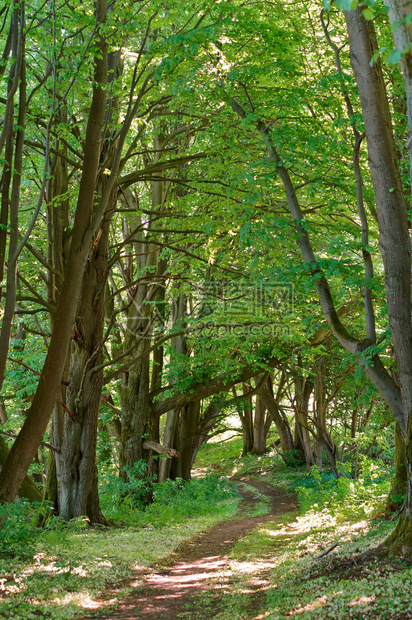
{"type": "Point", "coordinates": [204, 214]}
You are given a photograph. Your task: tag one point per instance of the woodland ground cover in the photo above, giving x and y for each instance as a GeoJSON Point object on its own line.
{"type": "Point", "coordinates": [65, 570]}
{"type": "Point", "coordinates": [347, 512]}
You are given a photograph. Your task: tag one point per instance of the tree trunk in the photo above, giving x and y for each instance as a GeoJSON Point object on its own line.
{"type": "Point", "coordinates": [326, 443]}
{"type": "Point", "coordinates": [78, 477]}
{"type": "Point", "coordinates": [401, 538]}
{"type": "Point", "coordinates": [188, 429]}
{"type": "Point", "coordinates": [135, 389]}
{"type": "Point", "coordinates": [54, 464]}
{"type": "Point", "coordinates": [114, 430]}
{"type": "Point", "coordinates": [246, 419]}
{"type": "Point", "coordinates": [319, 411]}
{"type": "Point", "coordinates": [38, 416]}
{"type": "Point", "coordinates": [281, 422]}
{"type": "Point", "coordinates": [152, 436]}
{"type": "Point", "coordinates": [135, 406]}
{"type": "Point", "coordinates": [318, 452]}
{"type": "Point", "coordinates": [303, 390]}
{"type": "Point", "coordinates": [206, 425]}
{"type": "Point", "coordinates": [259, 435]}
{"type": "Point", "coordinates": [399, 483]}
{"type": "Point", "coordinates": [3, 412]}
{"type": "Point", "coordinates": [179, 347]}
{"type": "Point", "coordinates": [392, 219]}
{"type": "Point", "coordinates": [399, 16]}
{"type": "Point", "coordinates": [28, 488]}
{"type": "Point", "coordinates": [58, 244]}
{"type": "Point", "coordinates": [78, 480]}
{"type": "Point", "coordinates": [13, 235]}
{"type": "Point", "coordinates": [51, 492]}
{"type": "Point", "coordinates": [354, 422]}
{"type": "Point", "coordinates": [76, 470]}
{"type": "Point", "coordinates": [168, 442]}
{"type": "Point", "coordinates": [391, 209]}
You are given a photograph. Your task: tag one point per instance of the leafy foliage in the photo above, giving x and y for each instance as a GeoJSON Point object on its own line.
{"type": "Point", "coordinates": [173, 500]}
{"type": "Point", "coordinates": [59, 571]}
{"type": "Point", "coordinates": [125, 496]}
{"type": "Point", "coordinates": [346, 497]}
{"type": "Point", "coordinates": [178, 499]}
{"type": "Point", "coordinates": [19, 529]}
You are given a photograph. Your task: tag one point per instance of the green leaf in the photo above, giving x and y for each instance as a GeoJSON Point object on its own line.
{"type": "Point", "coordinates": [374, 58]}
{"type": "Point", "coordinates": [368, 14]}
{"type": "Point", "coordinates": [347, 5]}
{"type": "Point", "coordinates": [394, 57]}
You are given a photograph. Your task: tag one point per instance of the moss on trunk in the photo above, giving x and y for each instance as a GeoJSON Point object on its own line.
{"type": "Point", "coordinates": [398, 490]}
{"type": "Point", "coordinates": [400, 541]}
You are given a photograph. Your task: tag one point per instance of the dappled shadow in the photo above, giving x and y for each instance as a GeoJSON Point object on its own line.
{"type": "Point", "coordinates": [200, 570]}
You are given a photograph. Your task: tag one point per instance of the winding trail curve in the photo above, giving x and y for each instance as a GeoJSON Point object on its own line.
{"type": "Point", "coordinates": [171, 591]}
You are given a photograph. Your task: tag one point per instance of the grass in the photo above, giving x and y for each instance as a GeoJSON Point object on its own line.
{"type": "Point", "coordinates": [275, 574]}
{"type": "Point", "coordinates": [305, 586]}
{"type": "Point", "coordinates": [69, 571]}
{"type": "Point", "coordinates": [261, 507]}
{"type": "Point", "coordinates": [272, 573]}
{"type": "Point", "coordinates": [275, 571]}
{"type": "Point", "coordinates": [226, 459]}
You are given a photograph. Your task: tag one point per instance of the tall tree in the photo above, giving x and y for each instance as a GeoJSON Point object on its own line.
{"type": "Point", "coordinates": [85, 226]}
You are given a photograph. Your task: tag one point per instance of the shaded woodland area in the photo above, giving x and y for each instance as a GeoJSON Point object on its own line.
{"type": "Point", "coordinates": [204, 225]}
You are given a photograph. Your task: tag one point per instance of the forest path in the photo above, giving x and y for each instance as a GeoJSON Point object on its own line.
{"type": "Point", "coordinates": [194, 583]}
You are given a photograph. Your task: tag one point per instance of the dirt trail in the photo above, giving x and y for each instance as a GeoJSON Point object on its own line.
{"type": "Point", "coordinates": [170, 592]}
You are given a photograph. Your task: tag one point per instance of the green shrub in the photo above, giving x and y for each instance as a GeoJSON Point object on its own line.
{"type": "Point", "coordinates": [121, 497]}
{"type": "Point", "coordinates": [19, 527]}
{"type": "Point", "coordinates": [294, 458]}
{"type": "Point", "coordinates": [346, 496]}
{"type": "Point", "coordinates": [173, 500]}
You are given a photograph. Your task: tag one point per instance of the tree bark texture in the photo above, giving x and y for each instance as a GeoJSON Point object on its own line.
{"type": "Point", "coordinates": [58, 249]}
{"type": "Point", "coordinates": [38, 415]}
{"type": "Point", "coordinates": [399, 12]}
{"type": "Point", "coordinates": [391, 209]}
{"type": "Point", "coordinates": [179, 347]}
{"type": "Point", "coordinates": [11, 201]}
{"type": "Point", "coordinates": [188, 429]}
{"type": "Point", "coordinates": [399, 483]}
{"type": "Point", "coordinates": [276, 414]}
{"type": "Point", "coordinates": [392, 219]}
{"type": "Point", "coordinates": [78, 477]}
{"type": "Point", "coordinates": [303, 391]}
{"type": "Point", "coordinates": [135, 406]}
{"type": "Point", "coordinates": [259, 435]}
{"type": "Point", "coordinates": [246, 419]}
{"type": "Point", "coordinates": [28, 488]}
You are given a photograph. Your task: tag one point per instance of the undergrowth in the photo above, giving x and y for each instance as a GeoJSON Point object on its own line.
{"type": "Point", "coordinates": [278, 572]}
{"type": "Point", "coordinates": [67, 569]}
{"type": "Point", "coordinates": [173, 500]}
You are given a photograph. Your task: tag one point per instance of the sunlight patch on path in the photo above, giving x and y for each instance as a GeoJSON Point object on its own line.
{"type": "Point", "coordinates": [197, 584]}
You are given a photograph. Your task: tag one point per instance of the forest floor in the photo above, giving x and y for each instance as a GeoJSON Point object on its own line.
{"type": "Point", "coordinates": [275, 560]}
{"type": "Point", "coordinates": [198, 575]}
{"type": "Point", "coordinates": [292, 545]}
